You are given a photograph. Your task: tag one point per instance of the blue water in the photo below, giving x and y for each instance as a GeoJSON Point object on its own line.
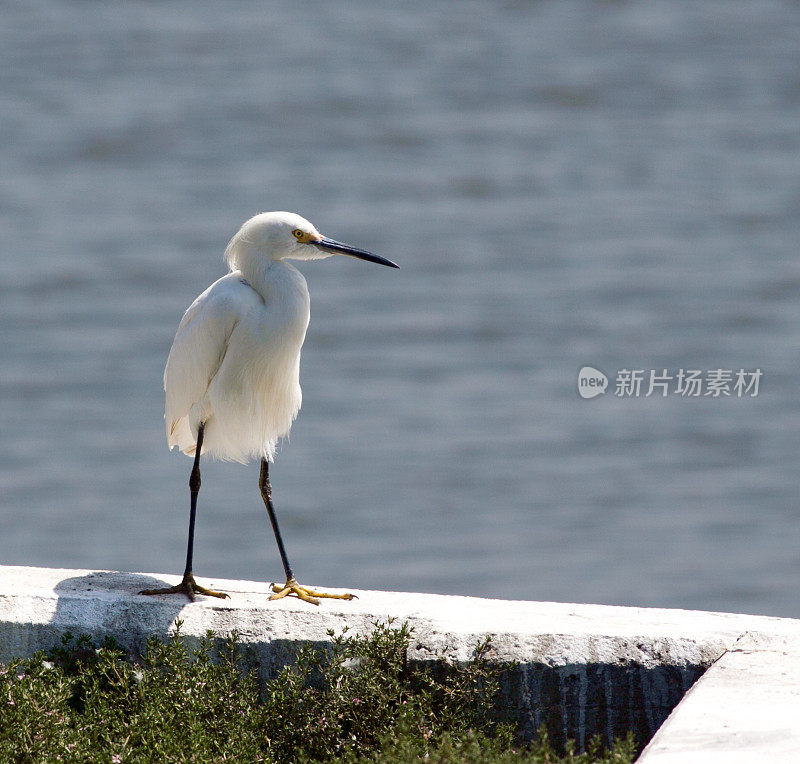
{"type": "Point", "coordinates": [614, 184]}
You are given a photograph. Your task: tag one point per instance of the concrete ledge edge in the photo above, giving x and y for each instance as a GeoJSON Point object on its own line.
{"type": "Point", "coordinates": [582, 668]}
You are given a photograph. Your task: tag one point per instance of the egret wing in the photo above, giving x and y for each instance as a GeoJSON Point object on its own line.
{"type": "Point", "coordinates": [197, 353]}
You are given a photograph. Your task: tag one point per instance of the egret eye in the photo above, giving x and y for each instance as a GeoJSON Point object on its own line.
{"type": "Point", "coordinates": [298, 234]}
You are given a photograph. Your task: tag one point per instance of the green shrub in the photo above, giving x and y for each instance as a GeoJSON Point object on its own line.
{"type": "Point", "coordinates": [358, 701]}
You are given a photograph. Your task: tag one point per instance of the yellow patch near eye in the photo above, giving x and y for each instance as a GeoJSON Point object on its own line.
{"type": "Point", "coordinates": [301, 236]}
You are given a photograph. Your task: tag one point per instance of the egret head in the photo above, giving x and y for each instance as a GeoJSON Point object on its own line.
{"type": "Point", "coordinates": [279, 235]}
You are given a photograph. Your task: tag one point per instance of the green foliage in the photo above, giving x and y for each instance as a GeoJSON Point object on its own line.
{"type": "Point", "coordinates": [359, 701]}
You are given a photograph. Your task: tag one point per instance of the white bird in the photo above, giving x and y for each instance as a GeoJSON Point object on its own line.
{"type": "Point", "coordinates": [232, 379]}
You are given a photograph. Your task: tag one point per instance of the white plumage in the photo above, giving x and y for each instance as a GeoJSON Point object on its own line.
{"type": "Point", "coordinates": [235, 360]}
{"type": "Point", "coordinates": [235, 364]}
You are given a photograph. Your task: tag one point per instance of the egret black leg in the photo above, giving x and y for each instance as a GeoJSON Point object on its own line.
{"type": "Point", "coordinates": [188, 585]}
{"type": "Point", "coordinates": [194, 491]}
{"type": "Point", "coordinates": [291, 586]}
{"type": "Point", "coordinates": [266, 495]}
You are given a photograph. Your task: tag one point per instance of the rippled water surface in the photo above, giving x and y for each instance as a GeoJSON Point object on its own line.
{"type": "Point", "coordinates": [614, 184]}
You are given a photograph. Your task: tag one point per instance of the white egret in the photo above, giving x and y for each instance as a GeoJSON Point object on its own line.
{"type": "Point", "coordinates": [232, 379]}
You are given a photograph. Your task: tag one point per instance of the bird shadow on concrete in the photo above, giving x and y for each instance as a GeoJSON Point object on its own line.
{"type": "Point", "coordinates": [107, 603]}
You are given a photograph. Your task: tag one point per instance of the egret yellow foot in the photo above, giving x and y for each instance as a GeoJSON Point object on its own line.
{"type": "Point", "coordinates": [189, 587]}
{"type": "Point", "coordinates": [308, 595]}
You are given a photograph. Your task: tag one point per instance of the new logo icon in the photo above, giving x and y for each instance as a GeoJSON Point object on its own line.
{"type": "Point", "coordinates": [591, 382]}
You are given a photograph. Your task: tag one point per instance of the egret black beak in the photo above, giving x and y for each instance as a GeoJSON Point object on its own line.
{"type": "Point", "coordinates": [337, 248]}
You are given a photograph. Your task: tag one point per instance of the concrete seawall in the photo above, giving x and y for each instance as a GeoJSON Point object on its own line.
{"type": "Point", "coordinates": [582, 669]}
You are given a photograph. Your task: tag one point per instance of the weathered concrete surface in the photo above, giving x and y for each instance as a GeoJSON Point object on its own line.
{"type": "Point", "coordinates": [583, 669]}
{"type": "Point", "coordinates": [746, 708]}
